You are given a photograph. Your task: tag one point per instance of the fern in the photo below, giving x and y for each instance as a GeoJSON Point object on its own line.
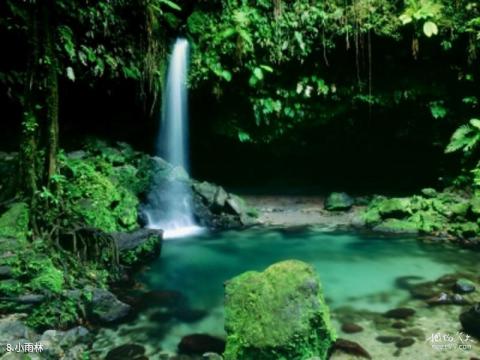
{"type": "Point", "coordinates": [465, 138]}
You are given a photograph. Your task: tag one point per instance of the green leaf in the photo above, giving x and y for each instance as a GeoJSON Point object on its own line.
{"type": "Point", "coordinates": [227, 75]}
{"type": "Point", "coordinates": [405, 19]}
{"type": "Point", "coordinates": [258, 73]}
{"type": "Point", "coordinates": [266, 68]}
{"type": "Point", "coordinates": [461, 139]}
{"type": "Point", "coordinates": [299, 38]}
{"type": "Point", "coordinates": [70, 73]}
{"type": "Point", "coordinates": [430, 28]}
{"type": "Point", "coordinates": [243, 136]}
{"type": "Point", "coordinates": [475, 123]}
{"type": "Point", "coordinates": [171, 5]}
{"type": "Point", "coordinates": [438, 110]}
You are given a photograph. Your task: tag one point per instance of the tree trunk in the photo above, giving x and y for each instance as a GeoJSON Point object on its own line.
{"type": "Point", "coordinates": [39, 147]}
{"type": "Point", "coordinates": [52, 100]}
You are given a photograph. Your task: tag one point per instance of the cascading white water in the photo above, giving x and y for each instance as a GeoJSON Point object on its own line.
{"type": "Point", "coordinates": [170, 202]}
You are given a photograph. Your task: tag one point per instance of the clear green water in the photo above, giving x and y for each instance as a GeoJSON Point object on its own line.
{"type": "Point", "coordinates": [356, 270]}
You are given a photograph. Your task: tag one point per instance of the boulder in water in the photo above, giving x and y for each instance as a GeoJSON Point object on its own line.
{"type": "Point", "coordinates": [106, 308]}
{"type": "Point", "coordinates": [464, 286]}
{"type": "Point", "coordinates": [399, 313]}
{"type": "Point", "coordinates": [278, 311]}
{"type": "Point", "coordinates": [198, 344]}
{"type": "Point", "coordinates": [351, 348]}
{"type": "Point", "coordinates": [470, 320]}
{"type": "Point", "coordinates": [351, 328]}
{"type": "Point", "coordinates": [127, 352]}
{"type": "Point", "coordinates": [338, 202]}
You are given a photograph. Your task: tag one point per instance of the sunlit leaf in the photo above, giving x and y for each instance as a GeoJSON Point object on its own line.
{"type": "Point", "coordinates": [430, 28]}
{"type": "Point", "coordinates": [70, 73]}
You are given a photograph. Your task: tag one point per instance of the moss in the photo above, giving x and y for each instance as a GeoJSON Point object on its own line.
{"type": "Point", "coordinates": [277, 314]}
{"type": "Point", "coordinates": [10, 287]}
{"type": "Point", "coordinates": [439, 214]}
{"type": "Point", "coordinates": [475, 205]}
{"type": "Point", "coordinates": [371, 216]}
{"type": "Point", "coordinates": [14, 222]}
{"type": "Point", "coordinates": [48, 278]}
{"type": "Point", "coordinates": [151, 247]}
{"type": "Point", "coordinates": [59, 313]}
{"type": "Point", "coordinates": [459, 210]}
{"type": "Point", "coordinates": [394, 208]}
{"type": "Point", "coordinates": [466, 230]}
{"type": "Point", "coordinates": [99, 200]}
{"type": "Point", "coordinates": [397, 226]}
{"type": "Point", "coordinates": [338, 202]}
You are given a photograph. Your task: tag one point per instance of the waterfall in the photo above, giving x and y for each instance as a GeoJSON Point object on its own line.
{"type": "Point", "coordinates": [169, 204]}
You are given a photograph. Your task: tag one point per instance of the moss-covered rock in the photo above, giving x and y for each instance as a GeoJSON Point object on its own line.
{"type": "Point", "coordinates": [444, 214]}
{"type": "Point", "coordinates": [397, 208]}
{"type": "Point", "coordinates": [396, 226]}
{"type": "Point", "coordinates": [14, 222]}
{"type": "Point", "coordinates": [98, 198]}
{"type": "Point", "coordinates": [138, 247]}
{"type": "Point", "coordinates": [278, 314]}
{"type": "Point", "coordinates": [338, 202]}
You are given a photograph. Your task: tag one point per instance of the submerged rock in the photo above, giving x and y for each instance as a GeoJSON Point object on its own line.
{"type": "Point", "coordinates": [464, 286]}
{"type": "Point", "coordinates": [106, 308]}
{"type": "Point", "coordinates": [440, 299]}
{"type": "Point", "coordinates": [338, 202]}
{"type": "Point", "coordinates": [470, 320]}
{"type": "Point", "coordinates": [400, 313]}
{"type": "Point", "coordinates": [351, 348]}
{"type": "Point", "coordinates": [278, 311]}
{"type": "Point", "coordinates": [405, 342]}
{"type": "Point", "coordinates": [127, 352]}
{"type": "Point", "coordinates": [386, 339]}
{"type": "Point", "coordinates": [351, 328]}
{"type": "Point", "coordinates": [198, 344]}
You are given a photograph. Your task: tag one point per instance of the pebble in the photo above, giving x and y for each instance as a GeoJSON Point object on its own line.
{"type": "Point", "coordinates": [387, 339]}
{"type": "Point", "coordinates": [351, 328]}
{"type": "Point", "coordinates": [405, 342]}
{"type": "Point", "coordinates": [400, 313]}
{"type": "Point", "coordinates": [351, 348]}
{"type": "Point", "coordinates": [127, 352]}
{"type": "Point", "coordinates": [399, 325]}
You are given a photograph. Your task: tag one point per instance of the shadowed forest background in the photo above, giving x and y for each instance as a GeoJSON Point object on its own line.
{"type": "Point", "coordinates": [348, 95]}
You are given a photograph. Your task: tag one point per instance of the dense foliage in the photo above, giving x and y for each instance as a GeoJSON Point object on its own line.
{"type": "Point", "coordinates": [286, 57]}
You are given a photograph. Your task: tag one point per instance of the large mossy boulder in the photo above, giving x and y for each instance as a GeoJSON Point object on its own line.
{"type": "Point", "coordinates": [277, 314]}
{"type": "Point", "coordinates": [102, 187]}
{"type": "Point", "coordinates": [338, 201]}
